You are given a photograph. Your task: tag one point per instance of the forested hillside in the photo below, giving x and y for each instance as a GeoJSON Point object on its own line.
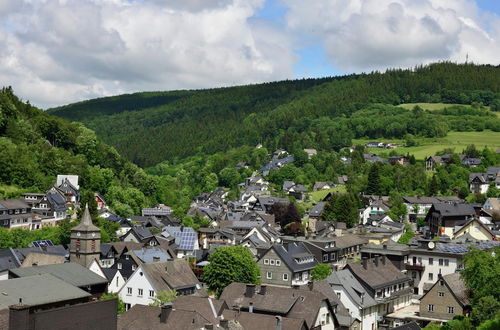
{"type": "Point", "coordinates": [148, 128]}
{"type": "Point", "coordinates": [35, 147]}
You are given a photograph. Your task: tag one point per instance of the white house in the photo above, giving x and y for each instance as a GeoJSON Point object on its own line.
{"type": "Point", "coordinates": [149, 279]}
{"type": "Point", "coordinates": [115, 280]}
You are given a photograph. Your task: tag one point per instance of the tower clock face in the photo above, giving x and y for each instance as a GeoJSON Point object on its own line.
{"type": "Point", "coordinates": [78, 234]}
{"type": "Point", "coordinates": [93, 234]}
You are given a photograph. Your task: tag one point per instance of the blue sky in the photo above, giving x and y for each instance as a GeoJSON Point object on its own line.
{"type": "Point", "coordinates": [314, 61]}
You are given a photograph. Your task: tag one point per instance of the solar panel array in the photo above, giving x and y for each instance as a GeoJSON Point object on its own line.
{"type": "Point", "coordinates": [187, 239]}
{"type": "Point", "coordinates": [41, 243]}
{"type": "Point", "coordinates": [464, 248]}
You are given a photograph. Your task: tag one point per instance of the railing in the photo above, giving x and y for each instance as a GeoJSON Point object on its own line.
{"type": "Point", "coordinates": [409, 266]}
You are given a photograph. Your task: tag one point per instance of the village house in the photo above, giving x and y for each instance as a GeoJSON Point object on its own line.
{"type": "Point", "coordinates": [476, 230]}
{"type": "Point", "coordinates": [447, 297]}
{"type": "Point", "coordinates": [16, 213]}
{"type": "Point", "coordinates": [151, 278]}
{"type": "Point", "coordinates": [323, 185]}
{"type": "Point", "coordinates": [444, 217]}
{"type": "Point", "coordinates": [286, 264]}
{"type": "Point", "coordinates": [186, 239]}
{"type": "Point", "coordinates": [383, 282]}
{"type": "Point", "coordinates": [399, 160]}
{"type": "Point", "coordinates": [296, 303]}
{"type": "Point", "coordinates": [418, 206]}
{"type": "Point", "coordinates": [311, 153]}
{"type": "Point", "coordinates": [375, 208]}
{"type": "Point", "coordinates": [68, 184]}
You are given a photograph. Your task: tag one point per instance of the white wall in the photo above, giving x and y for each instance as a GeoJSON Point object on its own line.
{"type": "Point", "coordinates": [116, 283]}
{"type": "Point", "coordinates": [324, 315]}
{"type": "Point", "coordinates": [435, 268]}
{"type": "Point", "coordinates": [136, 282]}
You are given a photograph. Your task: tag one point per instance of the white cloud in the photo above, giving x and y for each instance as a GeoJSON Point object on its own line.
{"type": "Point", "coordinates": [362, 35]}
{"type": "Point", "coordinates": [60, 51]}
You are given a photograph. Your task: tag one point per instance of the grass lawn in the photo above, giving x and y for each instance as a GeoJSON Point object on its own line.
{"type": "Point", "coordinates": [429, 106]}
{"type": "Point", "coordinates": [428, 147]}
{"type": "Point", "coordinates": [317, 196]}
{"type": "Point", "coordinates": [7, 192]}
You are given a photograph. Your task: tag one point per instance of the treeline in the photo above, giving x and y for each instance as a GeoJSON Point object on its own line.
{"type": "Point", "coordinates": [35, 147]}
{"type": "Point", "coordinates": [318, 113]}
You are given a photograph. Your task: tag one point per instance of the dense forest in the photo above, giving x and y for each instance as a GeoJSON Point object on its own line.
{"type": "Point", "coordinates": [148, 128]}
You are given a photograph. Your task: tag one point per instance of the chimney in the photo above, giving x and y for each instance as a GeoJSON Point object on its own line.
{"type": "Point", "coordinates": [384, 246]}
{"type": "Point", "coordinates": [166, 309]}
{"type": "Point", "coordinates": [19, 317]}
{"type": "Point", "coordinates": [279, 323]}
{"type": "Point", "coordinates": [224, 324]}
{"type": "Point", "coordinates": [310, 285]}
{"type": "Point", "coordinates": [250, 290]}
{"type": "Point", "coordinates": [250, 307]}
{"type": "Point", "coordinates": [263, 289]}
{"type": "Point", "coordinates": [383, 260]}
{"type": "Point", "coordinates": [376, 261]}
{"type": "Point", "coordinates": [365, 263]}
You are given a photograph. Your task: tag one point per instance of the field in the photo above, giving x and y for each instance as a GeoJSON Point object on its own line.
{"type": "Point", "coordinates": [428, 106]}
{"type": "Point", "coordinates": [429, 147]}
{"type": "Point", "coordinates": [317, 196]}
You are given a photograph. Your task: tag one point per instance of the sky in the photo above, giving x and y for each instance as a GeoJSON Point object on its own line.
{"type": "Point", "coordinates": [54, 52]}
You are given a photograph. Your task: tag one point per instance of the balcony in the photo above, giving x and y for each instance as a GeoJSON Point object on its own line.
{"type": "Point", "coordinates": [418, 267]}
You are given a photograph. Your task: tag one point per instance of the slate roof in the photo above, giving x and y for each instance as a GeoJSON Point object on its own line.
{"type": "Point", "coordinates": [9, 259]}
{"type": "Point", "coordinates": [287, 185]}
{"type": "Point", "coordinates": [408, 326]}
{"type": "Point", "coordinates": [429, 199]}
{"type": "Point", "coordinates": [377, 276]}
{"type": "Point", "coordinates": [262, 321]}
{"type": "Point", "coordinates": [454, 209]}
{"type": "Point", "coordinates": [11, 204]}
{"type": "Point", "coordinates": [207, 307]}
{"type": "Point", "coordinates": [38, 290]}
{"type": "Point", "coordinates": [291, 253]}
{"type": "Point", "coordinates": [72, 273]}
{"type": "Point", "coordinates": [109, 273]}
{"type": "Point", "coordinates": [169, 275]}
{"type": "Point", "coordinates": [148, 255]}
{"type": "Point", "coordinates": [482, 177]}
{"type": "Point", "coordinates": [141, 317]}
{"type": "Point", "coordinates": [352, 286]}
{"type": "Point", "coordinates": [317, 210]}
{"type": "Point", "coordinates": [457, 286]}
{"type": "Point", "coordinates": [86, 222]}
{"type": "Point", "coordinates": [288, 302]}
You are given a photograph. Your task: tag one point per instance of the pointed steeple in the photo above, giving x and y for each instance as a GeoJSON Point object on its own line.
{"type": "Point", "coordinates": [86, 219]}
{"type": "Point", "coordinates": [86, 222]}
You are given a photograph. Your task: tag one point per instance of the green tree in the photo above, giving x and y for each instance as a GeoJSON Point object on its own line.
{"type": "Point", "coordinates": [485, 308]}
{"type": "Point", "coordinates": [320, 272]}
{"type": "Point", "coordinates": [373, 187]}
{"type": "Point", "coordinates": [230, 264]}
{"type": "Point", "coordinates": [163, 297]}
{"type": "Point", "coordinates": [433, 186]}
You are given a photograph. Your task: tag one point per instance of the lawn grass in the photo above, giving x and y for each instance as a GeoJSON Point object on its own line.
{"type": "Point", "coordinates": [7, 191]}
{"type": "Point", "coordinates": [317, 196]}
{"type": "Point", "coordinates": [429, 106]}
{"type": "Point", "coordinates": [428, 147]}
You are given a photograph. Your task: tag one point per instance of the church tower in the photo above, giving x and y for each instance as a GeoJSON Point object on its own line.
{"type": "Point", "coordinates": [85, 243]}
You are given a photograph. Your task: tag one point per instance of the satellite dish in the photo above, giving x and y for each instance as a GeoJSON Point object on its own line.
{"type": "Point", "coordinates": [431, 245]}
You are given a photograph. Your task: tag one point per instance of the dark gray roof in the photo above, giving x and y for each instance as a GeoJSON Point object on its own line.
{"type": "Point", "coordinates": [8, 259]}
{"type": "Point", "coordinates": [317, 210]}
{"type": "Point", "coordinates": [38, 290]}
{"type": "Point", "coordinates": [292, 255]}
{"type": "Point", "coordinates": [13, 204]}
{"type": "Point", "coordinates": [109, 273]}
{"type": "Point", "coordinates": [408, 326]}
{"type": "Point", "coordinates": [71, 273]}
{"type": "Point", "coordinates": [352, 286]}
{"type": "Point", "coordinates": [458, 287]}
{"type": "Point", "coordinates": [86, 222]}
{"type": "Point", "coordinates": [170, 275]}
{"type": "Point", "coordinates": [454, 209]}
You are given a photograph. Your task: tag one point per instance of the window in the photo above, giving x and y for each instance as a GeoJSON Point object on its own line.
{"type": "Point", "coordinates": [430, 308]}
{"type": "Point", "coordinates": [431, 276]}
{"type": "Point", "coordinates": [119, 265]}
{"type": "Point", "coordinates": [451, 310]}
{"type": "Point", "coordinates": [414, 275]}
{"type": "Point", "coordinates": [278, 262]}
{"type": "Point", "coordinates": [441, 282]}
{"type": "Point", "coordinates": [134, 267]}
{"type": "Point", "coordinates": [129, 290]}
{"type": "Point", "coordinates": [431, 261]}
{"type": "Point", "coordinates": [305, 276]}
{"type": "Point", "coordinates": [269, 275]}
{"type": "Point", "coordinates": [117, 282]}
{"type": "Point", "coordinates": [338, 294]}
{"type": "Point", "coordinates": [285, 277]}
{"type": "Point", "coordinates": [151, 293]}
{"type": "Point", "coordinates": [440, 262]}
{"type": "Point", "coordinates": [332, 256]}
{"type": "Point", "coordinates": [139, 292]}
{"type": "Point", "coordinates": [446, 262]}
{"type": "Point", "coordinates": [325, 257]}
{"type": "Point", "coordinates": [266, 261]}
{"type": "Point", "coordinates": [440, 294]}
{"type": "Point", "coordinates": [271, 262]}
